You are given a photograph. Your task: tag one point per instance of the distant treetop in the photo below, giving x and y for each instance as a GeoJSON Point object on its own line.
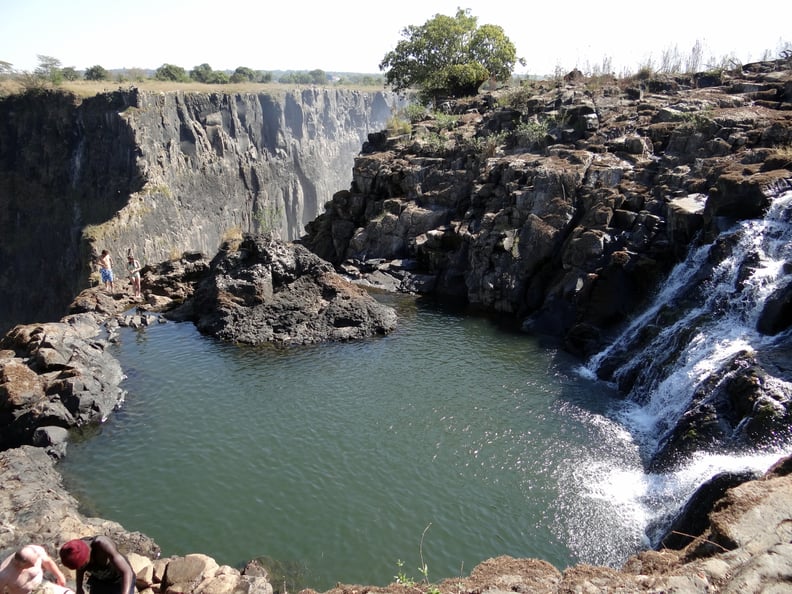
{"type": "Point", "coordinates": [449, 56]}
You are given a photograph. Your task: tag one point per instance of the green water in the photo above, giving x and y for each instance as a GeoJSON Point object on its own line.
{"type": "Point", "coordinates": [446, 443]}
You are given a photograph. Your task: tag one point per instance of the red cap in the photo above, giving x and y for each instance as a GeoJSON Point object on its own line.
{"type": "Point", "coordinates": [75, 554]}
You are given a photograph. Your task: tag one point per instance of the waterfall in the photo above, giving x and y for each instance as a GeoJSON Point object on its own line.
{"type": "Point", "coordinates": [704, 314]}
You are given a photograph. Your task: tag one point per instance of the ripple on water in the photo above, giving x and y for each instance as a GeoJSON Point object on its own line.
{"type": "Point", "coordinates": [448, 437]}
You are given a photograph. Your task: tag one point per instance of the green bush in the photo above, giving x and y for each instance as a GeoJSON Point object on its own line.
{"type": "Point", "coordinates": [96, 73]}
{"type": "Point", "coordinates": [517, 99]}
{"type": "Point", "coordinates": [531, 132]}
{"type": "Point", "coordinates": [445, 121]}
{"type": "Point", "coordinates": [170, 72]}
{"type": "Point", "coordinates": [415, 112]}
{"type": "Point", "coordinates": [398, 126]}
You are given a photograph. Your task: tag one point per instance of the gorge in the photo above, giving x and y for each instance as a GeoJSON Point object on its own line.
{"type": "Point", "coordinates": [160, 174]}
{"type": "Point", "coordinates": [569, 233]}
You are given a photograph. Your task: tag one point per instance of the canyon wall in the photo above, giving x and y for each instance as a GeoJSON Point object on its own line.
{"type": "Point", "coordinates": [160, 174]}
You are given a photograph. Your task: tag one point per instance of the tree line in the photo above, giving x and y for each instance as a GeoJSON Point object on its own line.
{"type": "Point", "coordinates": [446, 57]}
{"type": "Point", "coordinates": [51, 71]}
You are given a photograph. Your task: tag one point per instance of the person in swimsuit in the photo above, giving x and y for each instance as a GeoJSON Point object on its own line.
{"type": "Point", "coordinates": [109, 572]}
{"type": "Point", "coordinates": [22, 572]}
{"type": "Point", "coordinates": [106, 270]}
{"type": "Point", "coordinates": [133, 269]}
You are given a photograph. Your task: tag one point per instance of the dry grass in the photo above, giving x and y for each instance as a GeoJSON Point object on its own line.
{"type": "Point", "coordinates": [89, 88]}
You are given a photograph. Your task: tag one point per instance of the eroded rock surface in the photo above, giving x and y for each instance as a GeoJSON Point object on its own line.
{"type": "Point", "coordinates": [57, 374]}
{"type": "Point", "coordinates": [268, 291]}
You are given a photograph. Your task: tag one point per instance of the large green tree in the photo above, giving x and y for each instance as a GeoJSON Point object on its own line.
{"type": "Point", "coordinates": [96, 72]}
{"type": "Point", "coordinates": [171, 72]}
{"type": "Point", "coordinates": [449, 56]}
{"type": "Point", "coordinates": [49, 69]}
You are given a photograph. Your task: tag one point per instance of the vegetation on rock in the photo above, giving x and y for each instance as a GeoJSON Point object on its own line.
{"type": "Point", "coordinates": [449, 56]}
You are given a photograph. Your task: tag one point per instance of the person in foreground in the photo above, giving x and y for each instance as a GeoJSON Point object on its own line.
{"type": "Point", "coordinates": [109, 572]}
{"type": "Point", "coordinates": [23, 573]}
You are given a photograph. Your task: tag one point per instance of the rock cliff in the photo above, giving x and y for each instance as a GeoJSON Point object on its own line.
{"type": "Point", "coordinates": [161, 173]}
{"type": "Point", "coordinates": [564, 207]}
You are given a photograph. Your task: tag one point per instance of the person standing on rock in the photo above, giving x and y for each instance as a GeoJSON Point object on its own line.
{"type": "Point", "coordinates": [109, 572]}
{"type": "Point", "coordinates": [105, 262]}
{"type": "Point", "coordinates": [23, 573]}
{"type": "Point", "coordinates": [133, 269]}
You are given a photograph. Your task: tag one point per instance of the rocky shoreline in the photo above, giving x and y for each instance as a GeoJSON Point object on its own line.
{"type": "Point", "coordinates": [746, 545]}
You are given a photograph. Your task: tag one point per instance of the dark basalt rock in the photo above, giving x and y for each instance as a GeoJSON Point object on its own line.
{"type": "Point", "coordinates": [268, 291]}
{"type": "Point", "coordinates": [691, 520]}
{"type": "Point", "coordinates": [55, 375]}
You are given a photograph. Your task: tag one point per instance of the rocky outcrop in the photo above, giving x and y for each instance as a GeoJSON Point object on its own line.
{"type": "Point", "coordinates": [160, 173]}
{"type": "Point", "coordinates": [35, 507]}
{"type": "Point", "coordinates": [565, 208]}
{"type": "Point", "coordinates": [745, 548]}
{"type": "Point", "coordinates": [267, 291]}
{"type": "Point", "coordinates": [59, 375]}
{"type": "Point", "coordinates": [55, 376]}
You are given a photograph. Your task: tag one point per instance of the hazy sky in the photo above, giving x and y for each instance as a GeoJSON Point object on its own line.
{"type": "Point", "coordinates": [354, 35]}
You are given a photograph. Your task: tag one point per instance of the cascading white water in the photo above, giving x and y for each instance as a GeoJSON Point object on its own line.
{"type": "Point", "coordinates": [716, 306]}
{"type": "Point", "coordinates": [723, 316]}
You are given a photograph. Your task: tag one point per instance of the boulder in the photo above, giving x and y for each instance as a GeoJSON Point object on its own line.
{"type": "Point", "coordinates": [268, 291]}
{"type": "Point", "coordinates": [59, 376]}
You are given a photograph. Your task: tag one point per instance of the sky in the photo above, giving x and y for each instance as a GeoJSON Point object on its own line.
{"type": "Point", "coordinates": [354, 35]}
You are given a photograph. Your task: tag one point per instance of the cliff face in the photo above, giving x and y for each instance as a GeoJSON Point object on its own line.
{"type": "Point", "coordinates": [161, 173]}
{"type": "Point", "coordinates": [566, 205]}
{"type": "Point", "coordinates": [635, 221]}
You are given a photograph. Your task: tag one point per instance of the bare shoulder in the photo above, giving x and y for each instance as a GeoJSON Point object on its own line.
{"type": "Point", "coordinates": [105, 544]}
{"type": "Point", "coordinates": [38, 549]}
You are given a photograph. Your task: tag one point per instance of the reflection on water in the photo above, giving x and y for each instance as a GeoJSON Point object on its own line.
{"type": "Point", "coordinates": [337, 458]}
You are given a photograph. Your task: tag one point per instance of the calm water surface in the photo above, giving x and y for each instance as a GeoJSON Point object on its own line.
{"type": "Point", "coordinates": [449, 439]}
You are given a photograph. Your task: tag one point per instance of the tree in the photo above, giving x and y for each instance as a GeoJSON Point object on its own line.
{"type": "Point", "coordinates": [243, 74]}
{"type": "Point", "coordinates": [49, 68]}
{"type": "Point", "coordinates": [70, 73]}
{"type": "Point", "coordinates": [96, 73]}
{"type": "Point", "coordinates": [219, 78]}
{"type": "Point", "coordinates": [296, 78]}
{"type": "Point", "coordinates": [171, 73]}
{"type": "Point", "coordinates": [318, 77]}
{"type": "Point", "coordinates": [202, 73]}
{"type": "Point", "coordinates": [205, 74]}
{"type": "Point", "coordinates": [449, 56]}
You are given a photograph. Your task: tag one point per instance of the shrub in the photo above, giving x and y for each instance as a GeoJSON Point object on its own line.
{"type": "Point", "coordinates": [517, 99]}
{"type": "Point", "coordinates": [96, 73]}
{"type": "Point", "coordinates": [415, 112]}
{"type": "Point", "coordinates": [445, 121]}
{"type": "Point", "coordinates": [169, 72]}
{"type": "Point", "coordinates": [487, 146]}
{"type": "Point", "coordinates": [398, 126]}
{"type": "Point", "coordinates": [531, 132]}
